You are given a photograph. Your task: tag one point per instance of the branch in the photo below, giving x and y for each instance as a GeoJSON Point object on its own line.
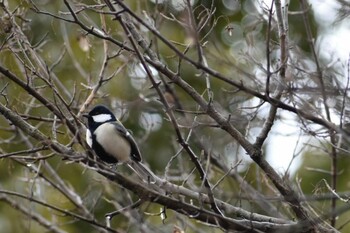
{"type": "Point", "coordinates": [38, 96]}
{"type": "Point", "coordinates": [5, 193]}
{"type": "Point", "coordinates": [333, 153]}
{"type": "Point", "coordinates": [154, 61]}
{"type": "Point", "coordinates": [132, 34]}
{"type": "Point", "coordinates": [36, 134]}
{"type": "Point", "coordinates": [30, 213]}
{"type": "Point", "coordinates": [255, 153]}
{"type": "Point", "coordinates": [149, 194]}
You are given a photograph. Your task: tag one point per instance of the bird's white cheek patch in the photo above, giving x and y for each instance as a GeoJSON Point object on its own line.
{"type": "Point", "coordinates": [102, 118]}
{"type": "Point", "coordinates": [88, 137]}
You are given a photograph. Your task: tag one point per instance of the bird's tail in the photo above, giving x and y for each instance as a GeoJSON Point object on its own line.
{"type": "Point", "coordinates": [142, 171]}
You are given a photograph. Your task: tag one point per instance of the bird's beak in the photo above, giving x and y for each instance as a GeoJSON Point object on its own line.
{"type": "Point", "coordinates": [85, 115]}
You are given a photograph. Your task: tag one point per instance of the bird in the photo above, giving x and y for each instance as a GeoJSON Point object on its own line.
{"type": "Point", "coordinates": [113, 143]}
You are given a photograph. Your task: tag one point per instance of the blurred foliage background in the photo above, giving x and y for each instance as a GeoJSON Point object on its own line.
{"type": "Point", "coordinates": [234, 41]}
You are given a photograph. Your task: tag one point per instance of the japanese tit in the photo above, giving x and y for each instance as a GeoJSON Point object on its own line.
{"type": "Point", "coordinates": [113, 143]}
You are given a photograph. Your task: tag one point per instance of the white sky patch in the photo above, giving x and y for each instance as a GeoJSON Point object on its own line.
{"type": "Point", "coordinates": [336, 42]}
{"type": "Point", "coordinates": [284, 143]}
{"type": "Point", "coordinates": [138, 75]}
{"type": "Point", "coordinates": [150, 121]}
{"type": "Point", "coordinates": [102, 118]}
{"type": "Point", "coordinates": [332, 35]}
{"type": "Point", "coordinates": [324, 11]}
{"type": "Point", "coordinates": [158, 1]}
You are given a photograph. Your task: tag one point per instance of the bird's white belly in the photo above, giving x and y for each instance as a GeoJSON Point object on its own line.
{"type": "Point", "coordinates": [115, 145]}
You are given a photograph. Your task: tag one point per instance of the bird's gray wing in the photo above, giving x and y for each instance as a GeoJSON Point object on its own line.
{"type": "Point", "coordinates": [135, 152]}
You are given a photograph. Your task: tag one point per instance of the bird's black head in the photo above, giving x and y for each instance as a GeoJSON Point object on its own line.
{"type": "Point", "coordinates": [99, 115]}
